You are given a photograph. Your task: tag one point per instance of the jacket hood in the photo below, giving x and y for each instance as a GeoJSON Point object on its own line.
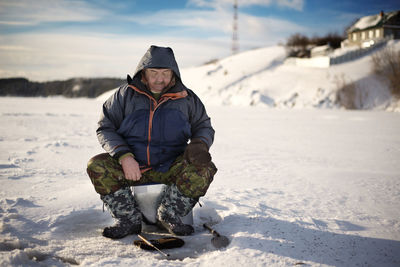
{"type": "Point", "coordinates": [158, 57]}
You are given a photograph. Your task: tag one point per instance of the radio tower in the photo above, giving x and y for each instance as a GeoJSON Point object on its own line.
{"type": "Point", "coordinates": [235, 44]}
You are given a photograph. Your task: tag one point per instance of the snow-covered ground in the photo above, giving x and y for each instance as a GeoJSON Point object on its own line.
{"type": "Point", "coordinates": [294, 186]}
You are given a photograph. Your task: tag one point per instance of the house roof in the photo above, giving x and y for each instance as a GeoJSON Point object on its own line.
{"type": "Point", "coordinates": [372, 21]}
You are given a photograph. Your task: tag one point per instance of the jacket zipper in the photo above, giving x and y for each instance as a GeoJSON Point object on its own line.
{"type": "Point", "coordinates": [153, 107]}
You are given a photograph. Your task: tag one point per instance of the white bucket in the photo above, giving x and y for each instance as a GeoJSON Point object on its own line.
{"type": "Point", "coordinates": [147, 196]}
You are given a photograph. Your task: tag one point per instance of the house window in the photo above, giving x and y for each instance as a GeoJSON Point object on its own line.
{"type": "Point", "coordinates": [363, 36]}
{"type": "Point", "coordinates": [371, 34]}
{"type": "Point", "coordinates": [377, 33]}
{"type": "Point", "coordinates": [354, 36]}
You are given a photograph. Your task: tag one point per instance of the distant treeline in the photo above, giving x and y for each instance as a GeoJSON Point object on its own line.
{"type": "Point", "coordinates": [77, 87]}
{"type": "Point", "coordinates": [299, 45]}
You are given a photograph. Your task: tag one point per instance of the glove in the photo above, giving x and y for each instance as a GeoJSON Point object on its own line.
{"type": "Point", "coordinates": [196, 153]}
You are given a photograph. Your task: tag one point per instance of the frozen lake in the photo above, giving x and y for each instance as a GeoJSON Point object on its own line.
{"type": "Point", "coordinates": [319, 187]}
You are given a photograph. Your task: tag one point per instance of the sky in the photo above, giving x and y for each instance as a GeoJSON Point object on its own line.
{"type": "Point", "coordinates": [59, 39]}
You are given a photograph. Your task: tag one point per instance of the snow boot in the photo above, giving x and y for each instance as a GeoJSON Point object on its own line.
{"type": "Point", "coordinates": [173, 206]}
{"type": "Point", "coordinates": [124, 210]}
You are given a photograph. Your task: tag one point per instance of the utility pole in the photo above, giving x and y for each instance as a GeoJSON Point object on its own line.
{"type": "Point", "coordinates": [235, 43]}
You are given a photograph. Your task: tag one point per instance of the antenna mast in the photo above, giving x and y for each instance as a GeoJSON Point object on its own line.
{"type": "Point", "coordinates": [235, 44]}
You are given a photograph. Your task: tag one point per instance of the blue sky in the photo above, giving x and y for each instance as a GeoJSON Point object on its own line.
{"type": "Point", "coordinates": [59, 39]}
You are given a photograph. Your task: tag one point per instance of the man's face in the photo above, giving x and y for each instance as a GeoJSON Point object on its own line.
{"type": "Point", "coordinates": [158, 79]}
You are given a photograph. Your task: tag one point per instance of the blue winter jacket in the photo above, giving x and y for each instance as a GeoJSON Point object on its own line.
{"type": "Point", "coordinates": [156, 132]}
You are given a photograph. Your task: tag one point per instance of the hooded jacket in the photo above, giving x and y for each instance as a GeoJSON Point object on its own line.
{"type": "Point", "coordinates": [155, 132]}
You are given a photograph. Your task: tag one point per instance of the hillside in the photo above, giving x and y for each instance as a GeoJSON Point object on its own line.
{"type": "Point", "coordinates": [262, 78]}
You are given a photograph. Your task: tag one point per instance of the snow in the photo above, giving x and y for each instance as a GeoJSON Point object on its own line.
{"type": "Point", "coordinates": [370, 21]}
{"type": "Point", "coordinates": [344, 50]}
{"type": "Point", "coordinates": [300, 181]}
{"type": "Point", "coordinates": [366, 22]}
{"type": "Point", "coordinates": [319, 187]}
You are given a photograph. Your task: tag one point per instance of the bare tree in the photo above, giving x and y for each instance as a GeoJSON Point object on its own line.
{"type": "Point", "coordinates": [386, 64]}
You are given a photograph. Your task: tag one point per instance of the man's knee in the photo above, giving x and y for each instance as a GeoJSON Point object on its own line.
{"type": "Point", "coordinates": [105, 173]}
{"type": "Point", "coordinates": [95, 167]}
{"type": "Point", "coordinates": [97, 160]}
{"type": "Point", "coordinates": [195, 181]}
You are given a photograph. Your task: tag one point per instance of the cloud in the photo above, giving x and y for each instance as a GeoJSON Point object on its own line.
{"type": "Point", "coordinates": [294, 4]}
{"type": "Point", "coordinates": [45, 56]}
{"type": "Point", "coordinates": [196, 35]}
{"type": "Point", "coordinates": [253, 30]}
{"type": "Point", "coordinates": [28, 12]}
{"type": "Point", "coordinates": [210, 20]}
{"type": "Point", "coordinates": [219, 4]}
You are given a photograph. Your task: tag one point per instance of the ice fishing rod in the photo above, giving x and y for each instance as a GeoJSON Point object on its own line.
{"type": "Point", "coordinates": [151, 245]}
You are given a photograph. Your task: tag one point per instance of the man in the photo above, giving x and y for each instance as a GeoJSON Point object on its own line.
{"type": "Point", "coordinates": [145, 128]}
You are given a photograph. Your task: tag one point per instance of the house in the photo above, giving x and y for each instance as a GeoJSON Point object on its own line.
{"type": "Point", "coordinates": [371, 29]}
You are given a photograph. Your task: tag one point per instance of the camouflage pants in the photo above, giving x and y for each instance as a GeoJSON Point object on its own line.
{"type": "Point", "coordinates": [107, 176]}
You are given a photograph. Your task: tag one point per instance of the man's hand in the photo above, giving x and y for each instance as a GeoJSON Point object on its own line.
{"type": "Point", "coordinates": [197, 153]}
{"type": "Point", "coordinates": [131, 168]}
